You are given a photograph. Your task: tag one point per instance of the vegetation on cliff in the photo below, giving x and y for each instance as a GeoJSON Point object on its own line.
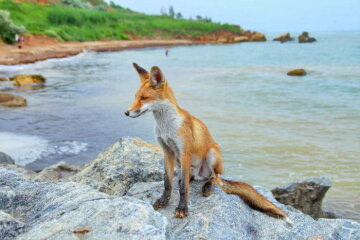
{"type": "Point", "coordinates": [70, 20]}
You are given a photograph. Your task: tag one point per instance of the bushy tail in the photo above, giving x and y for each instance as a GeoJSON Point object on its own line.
{"type": "Point", "coordinates": [252, 197]}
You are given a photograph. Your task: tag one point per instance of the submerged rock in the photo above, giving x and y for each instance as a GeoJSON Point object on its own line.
{"type": "Point", "coordinates": [126, 162]}
{"type": "Point", "coordinates": [284, 38]}
{"type": "Point", "coordinates": [223, 216]}
{"type": "Point", "coordinates": [21, 80]}
{"type": "Point", "coordinates": [297, 72]}
{"type": "Point", "coordinates": [10, 100]}
{"type": "Point", "coordinates": [305, 38]}
{"type": "Point", "coordinates": [6, 159]}
{"type": "Point", "coordinates": [307, 196]}
{"type": "Point", "coordinates": [58, 210]}
{"type": "Point", "coordinates": [57, 171]}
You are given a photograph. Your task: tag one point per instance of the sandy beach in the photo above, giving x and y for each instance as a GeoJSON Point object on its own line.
{"type": "Point", "coordinates": [40, 50]}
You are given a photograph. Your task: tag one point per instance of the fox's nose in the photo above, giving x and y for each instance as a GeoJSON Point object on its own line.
{"type": "Point", "coordinates": [127, 113]}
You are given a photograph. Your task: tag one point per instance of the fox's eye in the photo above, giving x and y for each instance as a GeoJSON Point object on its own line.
{"type": "Point", "coordinates": [143, 98]}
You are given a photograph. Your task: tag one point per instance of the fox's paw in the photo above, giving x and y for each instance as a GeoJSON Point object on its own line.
{"type": "Point", "coordinates": [160, 203]}
{"type": "Point", "coordinates": [181, 212]}
{"type": "Point", "coordinates": [206, 189]}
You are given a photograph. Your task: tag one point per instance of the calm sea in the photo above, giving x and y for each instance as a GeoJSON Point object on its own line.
{"type": "Point", "coordinates": [273, 129]}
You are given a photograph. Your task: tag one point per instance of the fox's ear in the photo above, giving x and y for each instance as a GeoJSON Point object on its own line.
{"type": "Point", "coordinates": [157, 78]}
{"type": "Point", "coordinates": [143, 74]}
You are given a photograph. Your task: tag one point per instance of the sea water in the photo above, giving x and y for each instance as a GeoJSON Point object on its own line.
{"type": "Point", "coordinates": [273, 129]}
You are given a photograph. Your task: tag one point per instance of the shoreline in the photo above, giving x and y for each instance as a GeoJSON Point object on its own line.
{"type": "Point", "coordinates": [11, 55]}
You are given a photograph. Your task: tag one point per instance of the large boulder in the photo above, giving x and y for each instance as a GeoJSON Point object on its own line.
{"type": "Point", "coordinates": [297, 72]}
{"type": "Point", "coordinates": [21, 80]}
{"type": "Point", "coordinates": [119, 167]}
{"type": "Point", "coordinates": [305, 38]}
{"type": "Point", "coordinates": [19, 170]}
{"type": "Point", "coordinates": [6, 159]}
{"type": "Point", "coordinates": [2, 79]}
{"type": "Point", "coordinates": [56, 172]}
{"type": "Point", "coordinates": [58, 210]}
{"type": "Point", "coordinates": [283, 38]}
{"type": "Point", "coordinates": [223, 216]}
{"type": "Point", "coordinates": [10, 100]}
{"type": "Point", "coordinates": [307, 196]}
{"type": "Point", "coordinates": [257, 37]}
{"type": "Point", "coordinates": [9, 226]}
{"type": "Point", "coordinates": [241, 39]}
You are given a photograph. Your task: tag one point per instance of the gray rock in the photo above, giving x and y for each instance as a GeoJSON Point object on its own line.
{"type": "Point", "coordinates": [9, 226]}
{"type": "Point", "coordinates": [223, 216]}
{"type": "Point", "coordinates": [53, 210]}
{"type": "Point", "coordinates": [120, 166]}
{"type": "Point", "coordinates": [307, 196]}
{"type": "Point", "coordinates": [19, 170]}
{"type": "Point", "coordinates": [56, 172]}
{"type": "Point", "coordinates": [6, 159]}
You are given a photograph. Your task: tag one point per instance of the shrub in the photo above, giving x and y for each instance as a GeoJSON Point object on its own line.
{"type": "Point", "coordinates": [8, 29]}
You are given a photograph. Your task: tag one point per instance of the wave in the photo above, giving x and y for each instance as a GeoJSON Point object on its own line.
{"type": "Point", "coordinates": [25, 149]}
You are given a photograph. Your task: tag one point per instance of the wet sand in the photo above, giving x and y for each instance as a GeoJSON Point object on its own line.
{"type": "Point", "coordinates": [29, 53]}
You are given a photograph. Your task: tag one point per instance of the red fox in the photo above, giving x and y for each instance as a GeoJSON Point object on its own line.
{"type": "Point", "coordinates": [187, 141]}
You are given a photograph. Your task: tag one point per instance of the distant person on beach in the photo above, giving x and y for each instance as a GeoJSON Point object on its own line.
{"type": "Point", "coordinates": [167, 52]}
{"type": "Point", "coordinates": [21, 40]}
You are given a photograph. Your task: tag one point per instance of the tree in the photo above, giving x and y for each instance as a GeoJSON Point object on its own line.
{"type": "Point", "coordinates": [171, 12]}
{"type": "Point", "coordinates": [179, 15]}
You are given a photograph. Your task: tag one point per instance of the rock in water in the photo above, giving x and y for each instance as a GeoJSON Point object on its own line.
{"type": "Point", "coordinates": [2, 79]}
{"type": "Point", "coordinates": [223, 216]}
{"type": "Point", "coordinates": [57, 171]}
{"type": "Point", "coordinates": [297, 72]}
{"type": "Point", "coordinates": [307, 196]}
{"type": "Point", "coordinates": [305, 38]}
{"type": "Point", "coordinates": [55, 210]}
{"type": "Point", "coordinates": [128, 161]}
{"type": "Point", "coordinates": [21, 80]}
{"type": "Point", "coordinates": [6, 159]}
{"type": "Point", "coordinates": [257, 37]}
{"type": "Point", "coordinates": [9, 100]}
{"type": "Point", "coordinates": [284, 37]}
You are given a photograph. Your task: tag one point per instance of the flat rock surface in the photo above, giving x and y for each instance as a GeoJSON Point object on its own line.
{"type": "Point", "coordinates": [223, 216]}
{"type": "Point", "coordinates": [53, 210]}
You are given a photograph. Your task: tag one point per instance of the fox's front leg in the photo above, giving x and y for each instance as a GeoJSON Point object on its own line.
{"type": "Point", "coordinates": [168, 176]}
{"type": "Point", "coordinates": [182, 209]}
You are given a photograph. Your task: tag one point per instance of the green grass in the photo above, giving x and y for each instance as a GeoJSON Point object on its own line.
{"type": "Point", "coordinates": [69, 24]}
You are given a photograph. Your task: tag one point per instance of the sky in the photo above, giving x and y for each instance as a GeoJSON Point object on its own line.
{"type": "Point", "coordinates": [264, 15]}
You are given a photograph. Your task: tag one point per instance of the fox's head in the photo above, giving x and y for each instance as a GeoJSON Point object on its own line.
{"type": "Point", "coordinates": [153, 92]}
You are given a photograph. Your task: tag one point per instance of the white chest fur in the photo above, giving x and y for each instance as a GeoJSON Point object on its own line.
{"type": "Point", "coordinates": [168, 122]}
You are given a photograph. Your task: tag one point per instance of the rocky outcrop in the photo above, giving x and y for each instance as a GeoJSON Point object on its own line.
{"type": "Point", "coordinates": [2, 79]}
{"type": "Point", "coordinates": [56, 172]}
{"type": "Point", "coordinates": [9, 226]}
{"type": "Point", "coordinates": [297, 72]}
{"type": "Point", "coordinates": [10, 100]}
{"type": "Point", "coordinates": [257, 37]}
{"type": "Point", "coordinates": [283, 38]}
{"type": "Point", "coordinates": [305, 38]}
{"type": "Point", "coordinates": [241, 39]}
{"type": "Point", "coordinates": [67, 210]}
{"type": "Point", "coordinates": [58, 210]}
{"type": "Point", "coordinates": [6, 159]}
{"type": "Point", "coordinates": [307, 196]}
{"type": "Point", "coordinates": [223, 216]}
{"type": "Point", "coordinates": [128, 161]}
{"type": "Point", "coordinates": [22, 80]}
{"type": "Point", "coordinates": [18, 170]}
